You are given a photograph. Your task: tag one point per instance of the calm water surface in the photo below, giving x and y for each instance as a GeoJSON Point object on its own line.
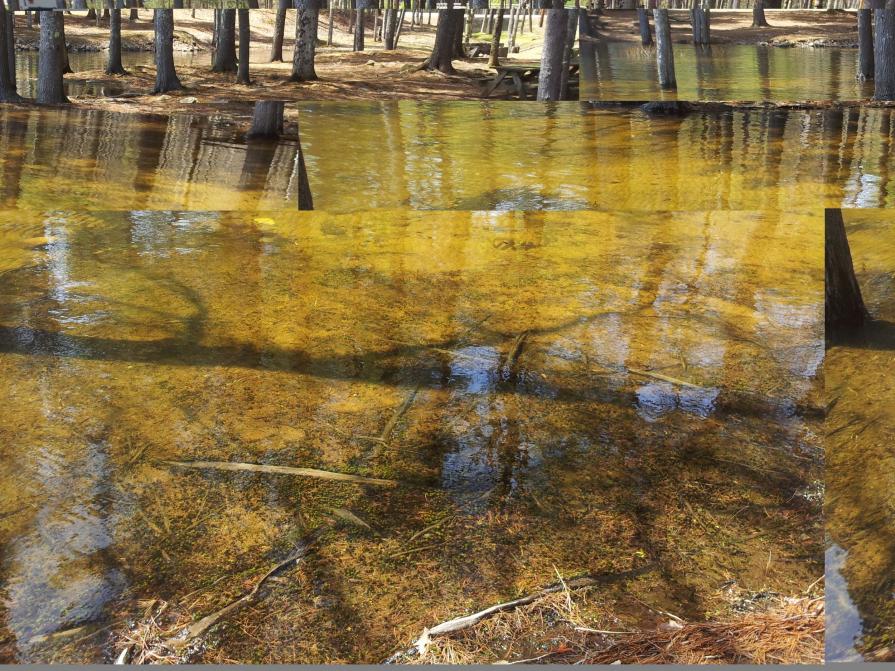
{"type": "Point", "coordinates": [528, 353]}
{"type": "Point", "coordinates": [467, 156]}
{"type": "Point", "coordinates": [860, 506]}
{"type": "Point", "coordinates": [623, 71]}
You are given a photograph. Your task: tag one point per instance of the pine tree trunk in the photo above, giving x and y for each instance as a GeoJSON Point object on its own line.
{"type": "Point", "coordinates": [758, 18]}
{"type": "Point", "coordinates": [442, 55]}
{"type": "Point", "coordinates": [664, 51]}
{"type": "Point", "coordinates": [113, 64]}
{"type": "Point", "coordinates": [50, 86]}
{"type": "Point", "coordinates": [8, 91]}
{"type": "Point", "coordinates": [305, 53]}
{"type": "Point", "coordinates": [865, 44]}
{"type": "Point", "coordinates": [245, 39]}
{"type": "Point", "coordinates": [646, 38]}
{"type": "Point", "coordinates": [276, 46]}
{"type": "Point", "coordinates": [494, 56]}
{"type": "Point", "coordinates": [359, 30]}
{"type": "Point", "coordinates": [884, 54]}
{"type": "Point", "coordinates": [267, 120]}
{"type": "Point", "coordinates": [165, 75]}
{"type": "Point", "coordinates": [550, 78]}
{"type": "Point", "coordinates": [571, 29]}
{"type": "Point", "coordinates": [844, 306]}
{"type": "Point", "coordinates": [331, 15]}
{"type": "Point", "coordinates": [66, 66]}
{"type": "Point", "coordinates": [225, 51]}
{"type": "Point", "coordinates": [390, 28]}
{"type": "Point", "coordinates": [699, 19]}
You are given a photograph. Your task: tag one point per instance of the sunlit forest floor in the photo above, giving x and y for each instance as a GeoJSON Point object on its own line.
{"type": "Point", "coordinates": [787, 27]}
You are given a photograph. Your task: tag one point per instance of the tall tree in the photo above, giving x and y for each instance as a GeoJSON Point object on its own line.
{"type": "Point", "coordinates": [50, 86]}
{"type": "Point", "coordinates": [664, 50]}
{"type": "Point", "coordinates": [66, 65]}
{"type": "Point", "coordinates": [113, 64]}
{"type": "Point", "coordinates": [359, 22]}
{"type": "Point", "coordinates": [8, 91]}
{"type": "Point", "coordinates": [758, 17]}
{"type": "Point", "coordinates": [450, 21]}
{"type": "Point", "coordinates": [165, 75]}
{"type": "Point", "coordinates": [700, 21]}
{"type": "Point", "coordinates": [571, 30]}
{"type": "Point", "coordinates": [844, 306]}
{"type": "Point", "coordinates": [884, 53]}
{"type": "Point", "coordinates": [279, 32]}
{"type": "Point", "coordinates": [225, 43]}
{"type": "Point", "coordinates": [245, 38]}
{"type": "Point", "coordinates": [494, 54]}
{"type": "Point", "coordinates": [550, 78]}
{"type": "Point", "coordinates": [865, 44]}
{"type": "Point", "coordinates": [646, 39]}
{"type": "Point", "coordinates": [305, 52]}
{"type": "Point", "coordinates": [389, 26]}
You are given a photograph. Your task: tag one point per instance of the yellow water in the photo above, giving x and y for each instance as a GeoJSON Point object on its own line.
{"type": "Point", "coordinates": [451, 155]}
{"type": "Point", "coordinates": [282, 338]}
{"type": "Point", "coordinates": [860, 458]}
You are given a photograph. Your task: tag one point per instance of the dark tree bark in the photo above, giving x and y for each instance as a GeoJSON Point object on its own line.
{"type": "Point", "coordinates": [550, 78]}
{"type": "Point", "coordinates": [646, 38]}
{"type": "Point", "coordinates": [8, 91]}
{"type": "Point", "coordinates": [865, 44]}
{"type": "Point", "coordinates": [113, 64]}
{"type": "Point", "coordinates": [267, 120]}
{"type": "Point", "coordinates": [242, 74]}
{"type": "Point", "coordinates": [276, 46]}
{"type": "Point", "coordinates": [359, 29]}
{"type": "Point", "coordinates": [66, 66]}
{"type": "Point", "coordinates": [165, 75]}
{"type": "Point", "coordinates": [844, 306]}
{"type": "Point", "coordinates": [884, 54]}
{"type": "Point", "coordinates": [305, 197]}
{"type": "Point", "coordinates": [225, 50]}
{"type": "Point", "coordinates": [134, 15]}
{"type": "Point", "coordinates": [305, 54]}
{"type": "Point", "coordinates": [664, 50]}
{"type": "Point", "coordinates": [50, 86]}
{"type": "Point", "coordinates": [571, 30]}
{"type": "Point", "coordinates": [699, 19]}
{"type": "Point", "coordinates": [758, 18]}
{"type": "Point", "coordinates": [494, 56]}
{"type": "Point", "coordinates": [449, 21]}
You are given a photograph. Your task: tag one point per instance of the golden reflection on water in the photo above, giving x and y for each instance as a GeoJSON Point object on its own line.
{"type": "Point", "coordinates": [860, 505]}
{"type": "Point", "coordinates": [285, 338]}
{"type": "Point", "coordinates": [624, 71]}
{"type": "Point", "coordinates": [457, 155]}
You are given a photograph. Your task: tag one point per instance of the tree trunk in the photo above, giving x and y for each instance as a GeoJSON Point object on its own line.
{"type": "Point", "coordinates": [113, 64]}
{"type": "Point", "coordinates": [390, 28]}
{"type": "Point", "coordinates": [225, 51]}
{"type": "Point", "coordinates": [332, 22]}
{"type": "Point", "coordinates": [267, 120]}
{"type": "Point", "coordinates": [276, 46]}
{"type": "Point", "coordinates": [66, 66]}
{"type": "Point", "coordinates": [442, 55]}
{"type": "Point", "coordinates": [699, 19]}
{"type": "Point", "coordinates": [571, 29]}
{"type": "Point", "coordinates": [50, 86]}
{"type": "Point", "coordinates": [758, 19]}
{"type": "Point", "coordinates": [493, 57]}
{"type": "Point", "coordinates": [865, 44]}
{"type": "Point", "coordinates": [646, 38]}
{"type": "Point", "coordinates": [664, 52]}
{"type": "Point", "coordinates": [8, 91]}
{"type": "Point", "coordinates": [134, 15]}
{"type": "Point", "coordinates": [359, 30]}
{"type": "Point", "coordinates": [245, 39]}
{"type": "Point", "coordinates": [844, 305]}
{"type": "Point", "coordinates": [550, 78]}
{"type": "Point", "coordinates": [884, 54]}
{"type": "Point", "coordinates": [305, 53]}
{"type": "Point", "coordinates": [165, 74]}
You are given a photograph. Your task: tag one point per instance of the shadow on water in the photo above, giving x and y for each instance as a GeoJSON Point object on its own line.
{"type": "Point", "coordinates": [632, 396]}
{"type": "Point", "coordinates": [860, 459]}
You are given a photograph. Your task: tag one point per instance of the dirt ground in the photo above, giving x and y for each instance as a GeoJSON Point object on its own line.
{"type": "Point", "coordinates": [343, 74]}
{"type": "Point", "coordinates": [787, 27]}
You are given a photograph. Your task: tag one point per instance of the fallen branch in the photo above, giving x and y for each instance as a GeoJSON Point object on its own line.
{"type": "Point", "coordinates": [515, 351]}
{"type": "Point", "coordinates": [399, 413]}
{"type": "Point", "coordinates": [285, 470]}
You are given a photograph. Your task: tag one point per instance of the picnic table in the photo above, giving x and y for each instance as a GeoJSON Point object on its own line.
{"type": "Point", "coordinates": [522, 75]}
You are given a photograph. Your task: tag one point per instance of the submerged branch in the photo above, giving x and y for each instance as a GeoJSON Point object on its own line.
{"type": "Point", "coordinates": [286, 470]}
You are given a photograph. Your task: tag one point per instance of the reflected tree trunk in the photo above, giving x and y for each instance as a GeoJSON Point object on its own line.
{"type": "Point", "coordinates": [844, 306]}
{"type": "Point", "coordinates": [165, 75]}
